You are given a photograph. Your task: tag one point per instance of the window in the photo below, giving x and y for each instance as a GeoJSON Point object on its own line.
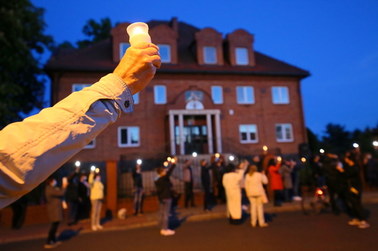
{"type": "Point", "coordinates": [91, 144]}
{"type": "Point", "coordinates": [122, 49]}
{"type": "Point", "coordinates": [248, 133]}
{"type": "Point", "coordinates": [165, 53]}
{"type": "Point", "coordinates": [209, 55]}
{"type": "Point", "coordinates": [79, 87]}
{"type": "Point", "coordinates": [284, 133]}
{"type": "Point", "coordinates": [280, 95]}
{"type": "Point", "coordinates": [245, 95]}
{"type": "Point", "coordinates": [160, 94]}
{"type": "Point", "coordinates": [241, 55]}
{"type": "Point", "coordinates": [128, 136]}
{"type": "Point", "coordinates": [136, 98]}
{"type": "Point", "coordinates": [217, 94]}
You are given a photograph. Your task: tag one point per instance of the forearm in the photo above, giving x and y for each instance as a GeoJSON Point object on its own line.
{"type": "Point", "coordinates": [33, 149]}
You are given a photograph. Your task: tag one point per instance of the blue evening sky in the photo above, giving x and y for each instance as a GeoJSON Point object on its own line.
{"type": "Point", "coordinates": [337, 41]}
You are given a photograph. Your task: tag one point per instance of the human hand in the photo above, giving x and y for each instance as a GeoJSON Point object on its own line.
{"type": "Point", "coordinates": [138, 66]}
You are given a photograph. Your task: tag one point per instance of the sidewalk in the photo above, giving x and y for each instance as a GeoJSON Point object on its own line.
{"type": "Point", "coordinates": [39, 231]}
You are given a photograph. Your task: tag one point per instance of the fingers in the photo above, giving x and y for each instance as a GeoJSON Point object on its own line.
{"type": "Point", "coordinates": [156, 61]}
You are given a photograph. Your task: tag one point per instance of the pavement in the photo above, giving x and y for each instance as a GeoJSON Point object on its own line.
{"type": "Point", "coordinates": [39, 231]}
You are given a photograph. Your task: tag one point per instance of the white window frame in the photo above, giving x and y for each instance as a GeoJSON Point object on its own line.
{"type": "Point", "coordinates": [245, 95]}
{"type": "Point", "coordinates": [211, 58]}
{"type": "Point", "coordinates": [280, 99]}
{"type": "Point", "coordinates": [128, 144]}
{"type": "Point", "coordinates": [249, 140]}
{"type": "Point", "coordinates": [79, 86]}
{"type": "Point", "coordinates": [241, 56]}
{"type": "Point", "coordinates": [157, 99]}
{"type": "Point", "coordinates": [167, 59]}
{"type": "Point", "coordinates": [91, 145]}
{"type": "Point", "coordinates": [136, 98]}
{"type": "Point", "coordinates": [213, 94]}
{"type": "Point", "coordinates": [122, 50]}
{"type": "Point", "coordinates": [284, 127]}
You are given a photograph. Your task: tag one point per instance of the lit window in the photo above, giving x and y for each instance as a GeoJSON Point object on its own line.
{"type": "Point", "coordinates": [79, 87]}
{"type": "Point", "coordinates": [91, 144]}
{"type": "Point", "coordinates": [245, 95]}
{"type": "Point", "coordinates": [217, 94]}
{"type": "Point", "coordinates": [136, 98]}
{"type": "Point", "coordinates": [128, 136]}
{"type": "Point", "coordinates": [165, 53]}
{"type": "Point", "coordinates": [160, 94]}
{"type": "Point", "coordinates": [284, 133]}
{"type": "Point", "coordinates": [280, 95]}
{"type": "Point", "coordinates": [209, 55]}
{"type": "Point", "coordinates": [122, 49]}
{"type": "Point", "coordinates": [248, 133]}
{"type": "Point", "coordinates": [241, 56]}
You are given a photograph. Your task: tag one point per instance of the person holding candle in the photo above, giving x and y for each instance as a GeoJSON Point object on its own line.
{"type": "Point", "coordinates": [31, 150]}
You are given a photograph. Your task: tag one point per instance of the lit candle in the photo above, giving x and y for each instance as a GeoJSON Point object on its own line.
{"type": "Point", "coordinates": [138, 33]}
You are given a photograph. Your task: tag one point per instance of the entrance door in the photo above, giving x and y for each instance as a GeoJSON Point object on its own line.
{"type": "Point", "coordinates": [195, 139]}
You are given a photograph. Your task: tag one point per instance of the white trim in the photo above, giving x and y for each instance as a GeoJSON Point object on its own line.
{"type": "Point", "coordinates": [281, 97]}
{"type": "Point", "coordinates": [122, 145]}
{"type": "Point", "coordinates": [164, 101]}
{"type": "Point", "coordinates": [209, 133]}
{"type": "Point", "coordinates": [249, 141]}
{"type": "Point", "coordinates": [245, 95]}
{"type": "Point", "coordinates": [284, 139]}
{"type": "Point", "coordinates": [169, 59]}
{"type": "Point", "coordinates": [172, 133]}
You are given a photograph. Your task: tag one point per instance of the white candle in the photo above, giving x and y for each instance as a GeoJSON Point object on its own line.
{"type": "Point", "coordinates": [138, 33]}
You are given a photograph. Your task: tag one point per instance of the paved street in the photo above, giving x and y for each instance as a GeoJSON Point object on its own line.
{"type": "Point", "coordinates": [287, 231]}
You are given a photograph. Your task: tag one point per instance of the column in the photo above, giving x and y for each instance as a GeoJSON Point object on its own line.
{"type": "Point", "coordinates": [172, 133]}
{"type": "Point", "coordinates": [181, 131]}
{"type": "Point", "coordinates": [209, 133]}
{"type": "Point", "coordinates": [218, 132]}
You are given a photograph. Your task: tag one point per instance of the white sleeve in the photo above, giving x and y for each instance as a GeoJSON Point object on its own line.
{"type": "Point", "coordinates": [33, 149]}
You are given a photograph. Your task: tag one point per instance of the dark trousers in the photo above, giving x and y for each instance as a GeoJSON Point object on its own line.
{"type": "Point", "coordinates": [138, 200]}
{"type": "Point", "coordinates": [278, 197]}
{"type": "Point", "coordinates": [72, 211]}
{"type": "Point", "coordinates": [51, 238]}
{"type": "Point", "coordinates": [356, 208]}
{"type": "Point", "coordinates": [207, 198]}
{"type": "Point", "coordinates": [189, 196]}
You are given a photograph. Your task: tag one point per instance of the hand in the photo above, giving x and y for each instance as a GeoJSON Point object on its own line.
{"type": "Point", "coordinates": [138, 66]}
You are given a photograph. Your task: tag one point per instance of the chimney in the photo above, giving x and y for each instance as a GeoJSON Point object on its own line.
{"type": "Point", "coordinates": [174, 24]}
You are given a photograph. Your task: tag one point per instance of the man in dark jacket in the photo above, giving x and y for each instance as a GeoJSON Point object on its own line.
{"type": "Point", "coordinates": [54, 196]}
{"type": "Point", "coordinates": [206, 184]}
{"type": "Point", "coordinates": [138, 190]}
{"type": "Point", "coordinates": [164, 192]}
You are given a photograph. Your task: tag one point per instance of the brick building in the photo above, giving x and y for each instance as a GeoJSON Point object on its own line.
{"type": "Point", "coordinates": [213, 93]}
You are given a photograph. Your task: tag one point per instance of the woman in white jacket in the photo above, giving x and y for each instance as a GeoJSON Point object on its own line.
{"type": "Point", "coordinates": [256, 194]}
{"type": "Point", "coordinates": [96, 196]}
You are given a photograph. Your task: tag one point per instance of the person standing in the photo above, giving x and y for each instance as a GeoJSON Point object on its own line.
{"type": "Point", "coordinates": [138, 190]}
{"type": "Point", "coordinates": [72, 198]}
{"type": "Point", "coordinates": [206, 185]}
{"type": "Point", "coordinates": [97, 195]}
{"type": "Point", "coordinates": [188, 184]}
{"type": "Point", "coordinates": [84, 201]}
{"type": "Point", "coordinates": [19, 212]}
{"type": "Point", "coordinates": [165, 193]}
{"type": "Point", "coordinates": [276, 181]}
{"type": "Point", "coordinates": [254, 182]}
{"type": "Point", "coordinates": [54, 196]}
{"type": "Point", "coordinates": [232, 184]}
{"type": "Point", "coordinates": [286, 171]}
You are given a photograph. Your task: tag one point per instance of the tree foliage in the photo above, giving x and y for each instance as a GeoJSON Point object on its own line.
{"type": "Point", "coordinates": [22, 41]}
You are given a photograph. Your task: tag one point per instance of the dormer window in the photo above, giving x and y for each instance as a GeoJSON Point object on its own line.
{"type": "Point", "coordinates": [209, 55]}
{"type": "Point", "coordinates": [241, 55]}
{"type": "Point", "coordinates": [165, 53]}
{"type": "Point", "coordinates": [122, 49]}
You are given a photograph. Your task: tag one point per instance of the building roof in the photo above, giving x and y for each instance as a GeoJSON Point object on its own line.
{"type": "Point", "coordinates": [98, 58]}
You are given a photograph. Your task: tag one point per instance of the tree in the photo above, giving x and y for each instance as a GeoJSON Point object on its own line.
{"type": "Point", "coordinates": [313, 141]}
{"type": "Point", "coordinates": [95, 31]}
{"type": "Point", "coordinates": [22, 41]}
{"type": "Point", "coordinates": [337, 139]}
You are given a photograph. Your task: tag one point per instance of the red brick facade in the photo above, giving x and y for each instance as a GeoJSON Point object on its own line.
{"type": "Point", "coordinates": [187, 71]}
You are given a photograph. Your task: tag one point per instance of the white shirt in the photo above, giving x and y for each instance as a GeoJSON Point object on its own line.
{"type": "Point", "coordinates": [31, 150]}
